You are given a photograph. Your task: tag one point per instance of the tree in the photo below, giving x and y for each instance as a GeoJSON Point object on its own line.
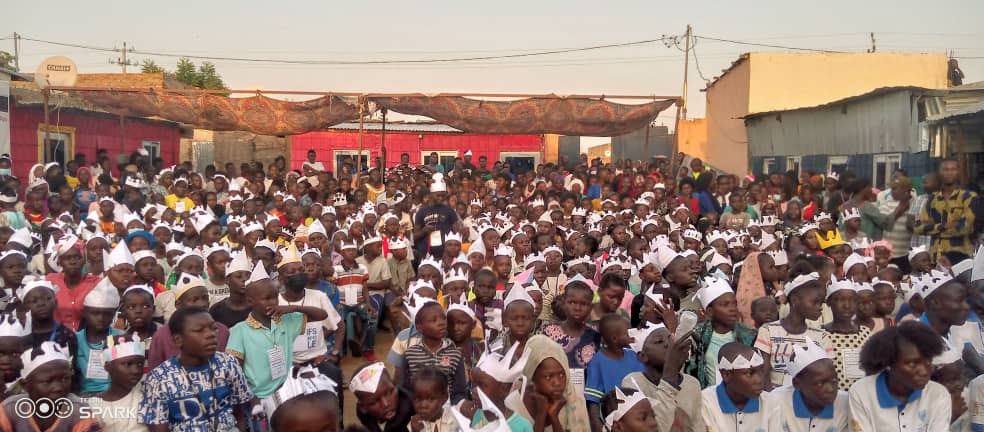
{"type": "Point", "coordinates": [187, 73]}
{"type": "Point", "coordinates": [8, 61]}
{"type": "Point", "coordinates": [149, 66]}
{"type": "Point", "coordinates": [209, 78]}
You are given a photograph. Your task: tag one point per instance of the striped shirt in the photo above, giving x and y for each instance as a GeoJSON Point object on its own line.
{"type": "Point", "coordinates": [350, 282]}
{"type": "Point", "coordinates": [897, 234]}
{"type": "Point", "coordinates": [777, 343]}
{"type": "Point", "coordinates": [446, 359]}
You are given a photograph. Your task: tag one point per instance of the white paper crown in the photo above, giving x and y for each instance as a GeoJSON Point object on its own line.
{"type": "Point", "coordinates": [142, 287]}
{"type": "Point", "coordinates": [201, 221]}
{"type": "Point", "coordinates": [962, 266]}
{"type": "Point", "coordinates": [452, 236]}
{"type": "Point", "coordinates": [639, 335]}
{"type": "Point", "coordinates": [537, 203]}
{"type": "Point", "coordinates": [498, 365]}
{"type": "Point", "coordinates": [863, 286]}
{"type": "Point", "coordinates": [716, 260]}
{"type": "Point", "coordinates": [303, 381]}
{"type": "Point", "coordinates": [264, 243]}
{"type": "Point", "coordinates": [932, 281]}
{"type": "Point", "coordinates": [579, 211]}
{"type": "Point", "coordinates": [119, 256]}
{"type": "Point", "coordinates": [339, 199]}
{"type": "Point", "coordinates": [693, 234]}
{"type": "Point", "coordinates": [799, 281]}
{"type": "Point", "coordinates": [367, 379]}
{"type": "Point", "coordinates": [174, 246]}
{"type": "Point", "coordinates": [132, 217]}
{"type": "Point", "coordinates": [438, 185]}
{"type": "Point", "coordinates": [553, 248]}
{"type": "Point", "coordinates": [833, 176]}
{"type": "Point", "coordinates": [916, 251]}
{"type": "Point", "coordinates": [476, 203]}
{"type": "Point", "coordinates": [258, 274]}
{"type": "Point", "coordinates": [948, 356]}
{"type": "Point", "coordinates": [418, 285]}
{"type": "Point", "coordinates": [398, 243]}
{"type": "Point", "coordinates": [978, 271]}
{"type": "Point", "coordinates": [807, 227]}
{"type": "Point", "coordinates": [851, 261]}
{"type": "Point", "coordinates": [414, 303]}
{"type": "Point", "coordinates": [250, 227]}
{"type": "Point", "coordinates": [216, 248]}
{"type": "Point", "coordinates": [48, 352]}
{"type": "Point", "coordinates": [839, 285]}
{"type": "Point", "coordinates": [455, 275]}
{"type": "Point", "coordinates": [533, 259]}
{"type": "Point", "coordinates": [741, 362]}
{"type": "Point", "coordinates": [462, 305]}
{"type": "Point", "coordinates": [429, 260]}
{"type": "Point", "coordinates": [715, 236]}
{"type": "Point", "coordinates": [804, 355]}
{"type": "Point", "coordinates": [118, 347]}
{"type": "Point", "coordinates": [822, 216]}
{"type": "Point", "coordinates": [289, 255]}
{"type": "Point", "coordinates": [624, 404]}
{"type": "Point", "coordinates": [714, 288]}
{"type": "Point", "coordinates": [10, 326]}
{"type": "Point", "coordinates": [779, 257]}
{"type": "Point", "coordinates": [851, 213]}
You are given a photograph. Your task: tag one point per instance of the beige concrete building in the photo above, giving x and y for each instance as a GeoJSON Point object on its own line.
{"type": "Point", "coordinates": [776, 81]}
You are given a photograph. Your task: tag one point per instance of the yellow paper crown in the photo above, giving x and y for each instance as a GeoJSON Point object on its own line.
{"type": "Point", "coordinates": [833, 239]}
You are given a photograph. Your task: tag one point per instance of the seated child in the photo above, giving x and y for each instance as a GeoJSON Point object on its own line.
{"type": "Point", "coordinates": [492, 381]}
{"type": "Point", "coordinates": [99, 308]}
{"type": "Point", "coordinates": [608, 368]}
{"type": "Point", "coordinates": [124, 358]}
{"type": "Point", "coordinates": [628, 410]}
{"type": "Point", "coordinates": [551, 400]}
{"type": "Point", "coordinates": [47, 374]}
{"type": "Point", "coordinates": [434, 349]}
{"type": "Point", "coordinates": [12, 334]}
{"type": "Point", "coordinates": [737, 399]}
{"type": "Point", "coordinates": [306, 402]}
{"type": "Point", "coordinates": [813, 402]}
{"type": "Point", "coordinates": [430, 402]}
{"type": "Point", "coordinates": [381, 405]}
{"type": "Point", "coordinates": [675, 396]}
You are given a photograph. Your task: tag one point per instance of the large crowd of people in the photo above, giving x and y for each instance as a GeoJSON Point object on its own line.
{"type": "Point", "coordinates": [585, 296]}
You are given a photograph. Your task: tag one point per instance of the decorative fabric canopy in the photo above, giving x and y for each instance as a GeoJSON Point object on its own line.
{"type": "Point", "coordinates": [539, 115]}
{"type": "Point", "coordinates": [578, 116]}
{"type": "Point", "coordinates": [258, 114]}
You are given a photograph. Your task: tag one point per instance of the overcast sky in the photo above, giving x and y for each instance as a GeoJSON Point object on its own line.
{"type": "Point", "coordinates": [336, 30]}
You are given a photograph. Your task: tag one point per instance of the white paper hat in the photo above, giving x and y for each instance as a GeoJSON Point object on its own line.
{"type": "Point", "coordinates": [118, 347]}
{"type": "Point", "coordinates": [978, 271]}
{"type": "Point", "coordinates": [851, 213]}
{"type": "Point", "coordinates": [804, 355]}
{"type": "Point", "coordinates": [851, 261]}
{"type": "Point", "coordinates": [779, 257]}
{"type": "Point", "coordinates": [304, 380]}
{"type": "Point", "coordinates": [517, 293]}
{"type": "Point", "coordinates": [48, 352]}
{"type": "Point", "coordinates": [623, 405]}
{"type": "Point", "coordinates": [822, 216]}
{"type": "Point", "coordinates": [534, 258]}
{"type": "Point", "coordinates": [498, 366]}
{"type": "Point", "coordinates": [455, 275]}
{"type": "Point", "coordinates": [289, 255]}
{"type": "Point", "coordinates": [141, 254]}
{"type": "Point", "coordinates": [462, 305]}
{"type": "Point", "coordinates": [22, 237]}
{"type": "Point", "coordinates": [932, 281]}
{"type": "Point", "coordinates": [807, 227]}
{"type": "Point", "coordinates": [418, 285]}
{"type": "Point", "coordinates": [948, 356]}
{"type": "Point", "coordinates": [201, 221]}
{"type": "Point", "coordinates": [666, 256]}
{"type": "Point", "coordinates": [174, 246]}
{"type": "Point", "coordinates": [497, 425]}
{"type": "Point", "coordinates": [141, 287]}
{"type": "Point", "coordinates": [916, 251]}
{"type": "Point", "coordinates": [103, 296]}
{"type": "Point", "coordinates": [367, 379]}
{"type": "Point", "coordinates": [398, 243]}
{"type": "Point", "coordinates": [250, 227]}
{"type": "Point", "coordinates": [414, 303]}
{"type": "Point", "coordinates": [714, 288]}
{"type": "Point", "coordinates": [639, 335]}
{"type": "Point", "coordinates": [32, 284]}
{"type": "Point", "coordinates": [962, 266]}
{"type": "Point", "coordinates": [264, 243]}
{"type": "Point", "coordinates": [10, 326]}
{"type": "Point", "coordinates": [258, 274]}
{"type": "Point", "coordinates": [741, 362]}
{"type": "Point", "coordinates": [839, 285]}
{"type": "Point", "coordinates": [693, 234]}
{"type": "Point", "coordinates": [239, 262]}
{"type": "Point", "coordinates": [799, 281]}
{"type": "Point", "coordinates": [317, 227]}
{"type": "Point", "coordinates": [429, 260]}
{"type": "Point", "coordinates": [716, 260]}
{"type": "Point", "coordinates": [119, 256]}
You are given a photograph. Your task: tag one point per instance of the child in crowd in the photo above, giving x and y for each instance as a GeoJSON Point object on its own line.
{"type": "Point", "coordinates": [190, 293]}
{"type": "Point", "coordinates": [675, 396]}
{"type": "Point", "coordinates": [47, 374]}
{"type": "Point", "coordinates": [866, 315]}
{"type": "Point", "coordinates": [720, 326]}
{"type": "Point", "coordinates": [38, 298]}
{"type": "Point", "coordinates": [518, 318]}
{"type": "Point", "coordinates": [12, 333]}
{"type": "Point", "coordinates": [487, 308]}
{"type": "Point", "coordinates": [737, 399]}
{"type": "Point", "coordinates": [576, 338]}
{"type": "Point", "coordinates": [235, 308]}
{"type": "Point", "coordinates": [896, 398]}
{"type": "Point", "coordinates": [461, 323]}
{"type": "Point", "coordinates": [351, 278]}
{"type": "Point", "coordinates": [98, 312]}
{"type": "Point", "coordinates": [434, 349]}
{"type": "Point", "coordinates": [628, 410]}
{"type": "Point", "coordinates": [606, 369]}
{"type": "Point", "coordinates": [611, 290]}
{"type": "Point", "coordinates": [217, 258]}
{"type": "Point", "coordinates": [307, 401]}
{"type": "Point", "coordinates": [401, 272]}
{"type": "Point", "coordinates": [264, 343]}
{"type": "Point", "coordinates": [813, 402]}
{"type": "Point", "coordinates": [493, 377]}
{"type": "Point", "coordinates": [430, 402]}
{"type": "Point", "coordinates": [551, 400]}
{"type": "Point", "coordinates": [846, 334]}
{"type": "Point", "coordinates": [124, 359]}
{"type": "Point", "coordinates": [378, 283]}
{"type": "Point", "coordinates": [381, 405]}
{"type": "Point", "coordinates": [776, 339]}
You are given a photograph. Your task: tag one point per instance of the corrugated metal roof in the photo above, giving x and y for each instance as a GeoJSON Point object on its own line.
{"type": "Point", "coordinates": [873, 93]}
{"type": "Point", "coordinates": [398, 127]}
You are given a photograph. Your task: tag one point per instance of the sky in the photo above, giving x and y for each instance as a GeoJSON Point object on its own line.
{"type": "Point", "coordinates": [381, 30]}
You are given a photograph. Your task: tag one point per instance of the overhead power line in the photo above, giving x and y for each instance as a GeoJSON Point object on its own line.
{"type": "Point", "coordinates": [364, 62]}
{"type": "Point", "coordinates": [738, 42]}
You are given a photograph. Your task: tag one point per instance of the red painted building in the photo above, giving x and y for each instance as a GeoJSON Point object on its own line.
{"type": "Point", "coordinates": [417, 140]}
{"type": "Point", "coordinates": [76, 127]}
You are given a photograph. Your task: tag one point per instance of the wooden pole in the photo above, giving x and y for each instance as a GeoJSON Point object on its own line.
{"type": "Point", "coordinates": [358, 158]}
{"type": "Point", "coordinates": [382, 148]}
{"type": "Point", "coordinates": [681, 104]}
{"type": "Point", "coordinates": [44, 144]}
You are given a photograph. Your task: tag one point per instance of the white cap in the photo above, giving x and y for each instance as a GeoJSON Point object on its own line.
{"type": "Point", "coordinates": [839, 285]}
{"type": "Point", "coordinates": [367, 380]}
{"type": "Point", "coordinates": [851, 261]}
{"type": "Point", "coordinates": [103, 296]}
{"type": "Point", "coordinates": [258, 274]}
{"type": "Point", "coordinates": [438, 185]}
{"type": "Point", "coordinates": [640, 335]}
{"type": "Point", "coordinates": [518, 293]}
{"type": "Point", "coordinates": [799, 281]}
{"type": "Point", "coordinates": [120, 255]}
{"type": "Point", "coordinates": [48, 352]}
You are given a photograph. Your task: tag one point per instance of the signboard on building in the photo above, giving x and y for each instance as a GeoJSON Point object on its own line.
{"type": "Point", "coordinates": [4, 116]}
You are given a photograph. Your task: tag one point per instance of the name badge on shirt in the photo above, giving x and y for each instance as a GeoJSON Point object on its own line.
{"type": "Point", "coordinates": [179, 206]}
{"type": "Point", "coordinates": [577, 378]}
{"type": "Point", "coordinates": [95, 369]}
{"type": "Point", "coordinates": [435, 238]}
{"type": "Point", "coordinates": [278, 364]}
{"type": "Point", "coordinates": [851, 362]}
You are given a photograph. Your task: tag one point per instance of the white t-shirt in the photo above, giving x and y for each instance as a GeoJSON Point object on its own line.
{"type": "Point", "coordinates": [874, 409]}
{"type": "Point", "coordinates": [721, 414]}
{"type": "Point", "coordinates": [789, 414]}
{"type": "Point", "coordinates": [311, 343]}
{"type": "Point", "coordinates": [774, 340]}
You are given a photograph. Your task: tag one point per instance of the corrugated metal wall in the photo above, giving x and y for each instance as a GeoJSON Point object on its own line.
{"type": "Point", "coordinates": [914, 164]}
{"type": "Point", "coordinates": [633, 145]}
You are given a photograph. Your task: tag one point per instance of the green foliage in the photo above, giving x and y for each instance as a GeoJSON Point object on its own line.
{"type": "Point", "coordinates": [149, 66]}
{"type": "Point", "coordinates": [7, 61]}
{"type": "Point", "coordinates": [204, 76]}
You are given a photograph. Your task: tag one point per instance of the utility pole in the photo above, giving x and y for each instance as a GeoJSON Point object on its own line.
{"type": "Point", "coordinates": [873, 47]}
{"type": "Point", "coordinates": [16, 52]}
{"type": "Point", "coordinates": [682, 107]}
{"type": "Point", "coordinates": [122, 60]}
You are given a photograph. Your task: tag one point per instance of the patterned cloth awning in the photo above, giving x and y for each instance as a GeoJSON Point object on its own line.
{"type": "Point", "coordinates": [262, 115]}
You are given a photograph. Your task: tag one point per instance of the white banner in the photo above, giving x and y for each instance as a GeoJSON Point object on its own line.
{"type": "Point", "coordinates": [4, 117]}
